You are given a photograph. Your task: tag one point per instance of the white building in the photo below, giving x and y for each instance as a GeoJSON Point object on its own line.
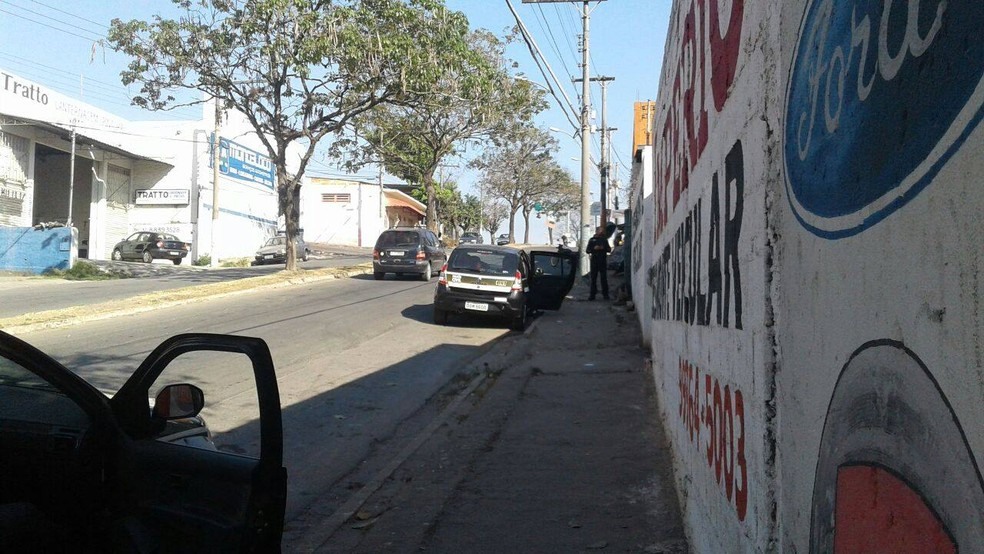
{"type": "Point", "coordinates": [349, 212]}
{"type": "Point", "coordinates": [65, 161]}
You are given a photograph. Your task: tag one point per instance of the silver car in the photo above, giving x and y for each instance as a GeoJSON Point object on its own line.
{"type": "Point", "coordinates": [274, 251]}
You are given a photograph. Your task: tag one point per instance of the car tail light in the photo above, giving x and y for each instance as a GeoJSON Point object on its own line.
{"type": "Point", "coordinates": [421, 255]}
{"type": "Point", "coordinates": [443, 278]}
{"type": "Point", "coordinates": [375, 254]}
{"type": "Point", "coordinates": [518, 283]}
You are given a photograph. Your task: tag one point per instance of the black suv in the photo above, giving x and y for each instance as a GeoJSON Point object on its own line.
{"type": "Point", "coordinates": [412, 250]}
{"type": "Point", "coordinates": [503, 281]}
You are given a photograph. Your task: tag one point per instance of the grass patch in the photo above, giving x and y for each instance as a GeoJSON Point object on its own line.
{"type": "Point", "coordinates": [235, 262]}
{"type": "Point", "coordinates": [85, 271]}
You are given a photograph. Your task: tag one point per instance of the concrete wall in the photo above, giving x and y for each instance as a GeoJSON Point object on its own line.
{"type": "Point", "coordinates": [816, 322]}
{"type": "Point", "coordinates": [29, 250]}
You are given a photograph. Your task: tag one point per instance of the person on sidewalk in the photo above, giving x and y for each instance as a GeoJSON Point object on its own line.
{"type": "Point", "coordinates": [599, 248]}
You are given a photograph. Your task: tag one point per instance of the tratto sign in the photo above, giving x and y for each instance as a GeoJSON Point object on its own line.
{"type": "Point", "coordinates": [162, 196]}
{"type": "Point", "coordinates": [881, 94]}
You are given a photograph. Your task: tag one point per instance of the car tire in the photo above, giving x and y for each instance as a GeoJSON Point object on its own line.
{"type": "Point", "coordinates": [519, 323]}
{"type": "Point", "coordinates": [177, 262]}
{"type": "Point", "coordinates": [304, 256]}
{"type": "Point", "coordinates": [440, 316]}
{"type": "Point", "coordinates": [146, 257]}
{"type": "Point", "coordinates": [428, 273]}
{"type": "Point", "coordinates": [378, 275]}
{"type": "Point", "coordinates": [117, 255]}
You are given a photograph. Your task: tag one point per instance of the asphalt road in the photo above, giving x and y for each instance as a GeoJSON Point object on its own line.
{"type": "Point", "coordinates": [19, 295]}
{"type": "Point", "coordinates": [361, 369]}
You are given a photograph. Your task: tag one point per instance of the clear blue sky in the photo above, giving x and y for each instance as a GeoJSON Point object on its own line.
{"type": "Point", "coordinates": [55, 43]}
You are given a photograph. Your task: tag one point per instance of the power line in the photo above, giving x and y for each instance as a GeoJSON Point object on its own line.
{"type": "Point", "coordinates": [49, 26]}
{"type": "Point", "coordinates": [71, 14]}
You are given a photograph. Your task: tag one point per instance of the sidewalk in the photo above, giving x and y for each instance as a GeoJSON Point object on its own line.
{"type": "Point", "coordinates": [561, 451]}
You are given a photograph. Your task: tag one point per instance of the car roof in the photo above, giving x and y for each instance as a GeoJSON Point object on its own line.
{"type": "Point", "coordinates": [492, 247]}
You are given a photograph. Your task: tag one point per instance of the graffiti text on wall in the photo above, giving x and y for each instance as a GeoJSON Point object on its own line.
{"type": "Point", "coordinates": [679, 273]}
{"type": "Point", "coordinates": [708, 54]}
{"type": "Point", "coordinates": [881, 95]}
{"type": "Point", "coordinates": [720, 414]}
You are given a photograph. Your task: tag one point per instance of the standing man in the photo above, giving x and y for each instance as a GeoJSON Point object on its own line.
{"type": "Point", "coordinates": [599, 248]}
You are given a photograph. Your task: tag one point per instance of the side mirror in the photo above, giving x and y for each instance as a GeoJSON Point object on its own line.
{"type": "Point", "coordinates": [538, 272]}
{"type": "Point", "coordinates": [178, 401]}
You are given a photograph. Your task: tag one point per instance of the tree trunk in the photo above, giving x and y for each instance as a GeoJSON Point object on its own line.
{"type": "Point", "coordinates": [431, 200]}
{"type": "Point", "coordinates": [526, 232]}
{"type": "Point", "coordinates": [289, 207]}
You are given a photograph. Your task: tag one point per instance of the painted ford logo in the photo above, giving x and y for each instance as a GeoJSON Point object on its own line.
{"type": "Point", "coordinates": [881, 94]}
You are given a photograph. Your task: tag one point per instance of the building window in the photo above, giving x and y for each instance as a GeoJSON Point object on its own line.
{"type": "Point", "coordinates": [336, 197]}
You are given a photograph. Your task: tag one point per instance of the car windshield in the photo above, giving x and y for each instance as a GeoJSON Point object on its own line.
{"type": "Point", "coordinates": [484, 262]}
{"type": "Point", "coordinates": [276, 241]}
{"type": "Point", "coordinates": [390, 239]}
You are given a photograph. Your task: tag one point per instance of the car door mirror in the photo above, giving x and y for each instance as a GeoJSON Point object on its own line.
{"type": "Point", "coordinates": [178, 401]}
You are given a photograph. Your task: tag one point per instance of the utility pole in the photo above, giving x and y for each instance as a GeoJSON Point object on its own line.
{"type": "Point", "coordinates": [216, 158]}
{"type": "Point", "coordinates": [605, 165]}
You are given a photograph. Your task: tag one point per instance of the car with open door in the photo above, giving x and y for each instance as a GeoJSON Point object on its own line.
{"type": "Point", "coordinates": [505, 282]}
{"type": "Point", "coordinates": [83, 472]}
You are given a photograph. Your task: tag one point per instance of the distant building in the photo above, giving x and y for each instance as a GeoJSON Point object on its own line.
{"type": "Point", "coordinates": [352, 212]}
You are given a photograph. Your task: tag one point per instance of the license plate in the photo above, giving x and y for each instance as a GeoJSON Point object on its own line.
{"type": "Point", "coordinates": [397, 252]}
{"type": "Point", "coordinates": [175, 253]}
{"type": "Point", "coordinates": [477, 306]}
{"type": "Point", "coordinates": [268, 257]}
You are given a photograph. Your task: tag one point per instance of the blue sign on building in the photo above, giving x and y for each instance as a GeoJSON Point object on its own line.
{"type": "Point", "coordinates": [244, 164]}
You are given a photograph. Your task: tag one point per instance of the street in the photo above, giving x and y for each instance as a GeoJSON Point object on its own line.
{"type": "Point", "coordinates": [357, 362]}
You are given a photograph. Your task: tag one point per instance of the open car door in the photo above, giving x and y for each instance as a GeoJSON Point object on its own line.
{"type": "Point", "coordinates": [553, 276]}
{"type": "Point", "coordinates": [185, 499]}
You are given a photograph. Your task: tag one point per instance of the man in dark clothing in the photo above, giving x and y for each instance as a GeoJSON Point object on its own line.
{"type": "Point", "coordinates": [599, 248]}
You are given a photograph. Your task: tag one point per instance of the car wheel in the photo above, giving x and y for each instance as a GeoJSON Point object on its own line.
{"type": "Point", "coordinates": [304, 256]}
{"type": "Point", "coordinates": [428, 273]}
{"type": "Point", "coordinates": [440, 316]}
{"type": "Point", "coordinates": [519, 322]}
{"type": "Point", "coordinates": [146, 257]}
{"type": "Point", "coordinates": [378, 275]}
{"type": "Point", "coordinates": [117, 255]}
{"type": "Point", "coordinates": [177, 262]}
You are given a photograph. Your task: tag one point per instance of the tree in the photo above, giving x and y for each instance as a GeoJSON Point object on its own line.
{"type": "Point", "coordinates": [493, 212]}
{"type": "Point", "coordinates": [563, 196]}
{"type": "Point", "coordinates": [298, 70]}
{"type": "Point", "coordinates": [475, 101]}
{"type": "Point", "coordinates": [516, 169]}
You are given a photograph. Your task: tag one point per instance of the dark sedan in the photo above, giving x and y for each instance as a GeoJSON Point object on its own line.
{"type": "Point", "coordinates": [471, 238]}
{"type": "Point", "coordinates": [147, 247]}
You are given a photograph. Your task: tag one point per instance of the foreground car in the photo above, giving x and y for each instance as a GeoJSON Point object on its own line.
{"type": "Point", "coordinates": [503, 281]}
{"type": "Point", "coordinates": [80, 472]}
{"type": "Point", "coordinates": [274, 251]}
{"type": "Point", "coordinates": [147, 247]}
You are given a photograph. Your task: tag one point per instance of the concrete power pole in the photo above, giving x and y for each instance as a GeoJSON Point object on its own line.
{"type": "Point", "coordinates": [216, 158]}
{"type": "Point", "coordinates": [586, 230]}
{"type": "Point", "coordinates": [605, 147]}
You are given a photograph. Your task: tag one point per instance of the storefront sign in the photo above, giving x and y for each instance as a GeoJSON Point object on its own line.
{"type": "Point", "coordinates": [163, 196]}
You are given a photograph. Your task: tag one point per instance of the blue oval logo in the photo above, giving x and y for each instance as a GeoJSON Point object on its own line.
{"type": "Point", "coordinates": [881, 94]}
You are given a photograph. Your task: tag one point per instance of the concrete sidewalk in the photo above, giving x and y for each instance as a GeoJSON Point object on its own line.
{"type": "Point", "coordinates": [558, 450]}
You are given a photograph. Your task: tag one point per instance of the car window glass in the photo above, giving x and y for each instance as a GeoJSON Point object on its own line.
{"type": "Point", "coordinates": [391, 239]}
{"type": "Point", "coordinates": [168, 237]}
{"type": "Point", "coordinates": [27, 398]}
{"type": "Point", "coordinates": [230, 420]}
{"type": "Point", "coordinates": [485, 262]}
{"type": "Point", "coordinates": [556, 266]}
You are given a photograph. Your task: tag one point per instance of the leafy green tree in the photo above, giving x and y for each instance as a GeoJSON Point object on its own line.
{"type": "Point", "coordinates": [473, 102]}
{"type": "Point", "coordinates": [298, 70]}
{"type": "Point", "coordinates": [562, 197]}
